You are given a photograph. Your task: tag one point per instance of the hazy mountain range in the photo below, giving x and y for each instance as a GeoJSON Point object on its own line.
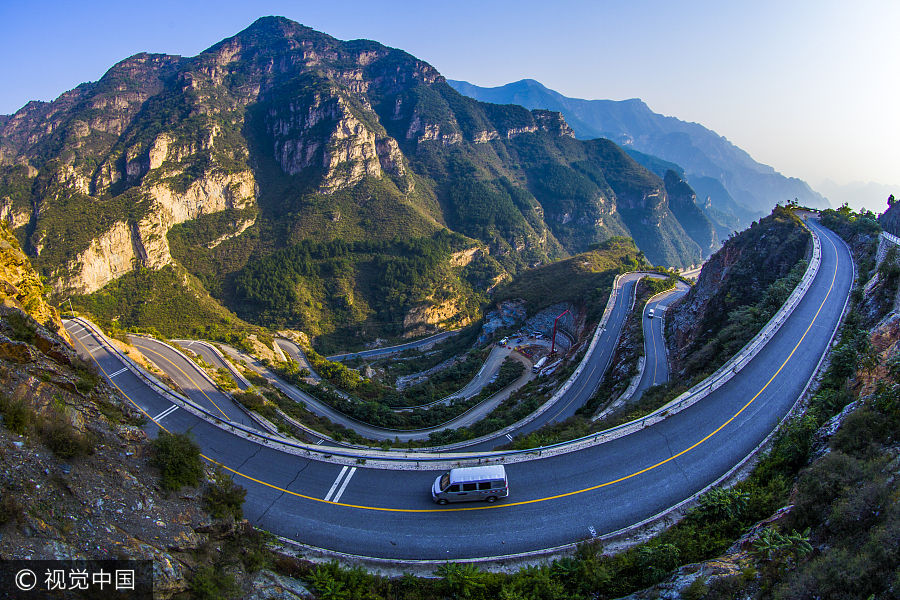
{"type": "Point", "coordinates": [872, 196]}
{"type": "Point", "coordinates": [700, 152]}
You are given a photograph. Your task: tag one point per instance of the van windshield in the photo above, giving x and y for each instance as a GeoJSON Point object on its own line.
{"type": "Point", "coordinates": [445, 481]}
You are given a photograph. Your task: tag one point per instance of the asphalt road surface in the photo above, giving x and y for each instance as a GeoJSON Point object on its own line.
{"type": "Point", "coordinates": [554, 501]}
{"type": "Point", "coordinates": [656, 365]}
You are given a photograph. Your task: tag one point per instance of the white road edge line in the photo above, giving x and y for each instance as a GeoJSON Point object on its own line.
{"type": "Point", "coordinates": [165, 413]}
{"type": "Point", "coordinates": [344, 486]}
{"type": "Point", "coordinates": [335, 484]}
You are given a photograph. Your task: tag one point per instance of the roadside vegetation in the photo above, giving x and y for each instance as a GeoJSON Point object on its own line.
{"type": "Point", "coordinates": [839, 540]}
{"type": "Point", "coordinates": [583, 279]}
{"type": "Point", "coordinates": [53, 425]}
{"type": "Point", "coordinates": [166, 303]}
{"type": "Point", "coordinates": [379, 415]}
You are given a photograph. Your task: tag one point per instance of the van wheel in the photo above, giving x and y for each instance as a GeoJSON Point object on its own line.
{"type": "Point", "coordinates": [443, 501]}
{"type": "Point", "coordinates": [491, 499]}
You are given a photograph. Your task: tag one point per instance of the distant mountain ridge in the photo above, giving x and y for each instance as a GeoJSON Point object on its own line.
{"type": "Point", "coordinates": [631, 124]}
{"type": "Point", "coordinates": [872, 196]}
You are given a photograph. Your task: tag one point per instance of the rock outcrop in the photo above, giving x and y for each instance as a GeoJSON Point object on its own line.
{"type": "Point", "coordinates": [890, 219]}
{"type": "Point", "coordinates": [735, 277]}
{"type": "Point", "coordinates": [431, 317]}
{"type": "Point", "coordinates": [281, 134]}
{"type": "Point", "coordinates": [326, 134]}
{"type": "Point", "coordinates": [125, 246]}
{"type": "Point", "coordinates": [20, 286]}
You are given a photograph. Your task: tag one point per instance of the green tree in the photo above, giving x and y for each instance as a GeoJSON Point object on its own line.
{"type": "Point", "coordinates": [460, 580]}
{"type": "Point", "coordinates": [178, 457]}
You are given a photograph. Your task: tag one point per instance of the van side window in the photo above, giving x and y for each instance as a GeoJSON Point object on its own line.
{"type": "Point", "coordinates": [469, 487]}
{"type": "Point", "coordinates": [498, 484]}
{"type": "Point", "coordinates": [484, 485]}
{"type": "Point", "coordinates": [454, 488]}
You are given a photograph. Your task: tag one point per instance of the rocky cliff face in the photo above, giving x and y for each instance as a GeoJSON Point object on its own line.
{"type": "Point", "coordinates": [310, 137]}
{"type": "Point", "coordinates": [683, 203]}
{"type": "Point", "coordinates": [125, 245]}
{"type": "Point", "coordinates": [99, 137]}
{"type": "Point", "coordinates": [737, 276]}
{"type": "Point", "coordinates": [20, 287]}
{"type": "Point", "coordinates": [890, 219]}
{"type": "Point", "coordinates": [433, 317]}
{"type": "Point", "coordinates": [326, 134]}
{"type": "Point", "coordinates": [696, 305]}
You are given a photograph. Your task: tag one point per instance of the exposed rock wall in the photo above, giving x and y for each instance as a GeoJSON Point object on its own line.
{"type": "Point", "coordinates": [20, 286]}
{"type": "Point", "coordinates": [326, 134]}
{"type": "Point", "coordinates": [124, 246]}
{"type": "Point", "coordinates": [13, 216]}
{"type": "Point", "coordinates": [682, 321]}
{"type": "Point", "coordinates": [890, 219]}
{"type": "Point", "coordinates": [736, 277]}
{"type": "Point", "coordinates": [430, 317]}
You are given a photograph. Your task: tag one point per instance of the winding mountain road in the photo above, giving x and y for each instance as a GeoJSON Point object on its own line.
{"type": "Point", "coordinates": [656, 366]}
{"type": "Point", "coordinates": [555, 501]}
{"type": "Point", "coordinates": [582, 389]}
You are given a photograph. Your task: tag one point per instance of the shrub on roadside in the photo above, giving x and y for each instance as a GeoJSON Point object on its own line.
{"type": "Point", "coordinates": [10, 509]}
{"type": "Point", "coordinates": [16, 416]}
{"type": "Point", "coordinates": [224, 498]}
{"type": "Point", "coordinates": [64, 440]}
{"type": "Point", "coordinates": [178, 457]}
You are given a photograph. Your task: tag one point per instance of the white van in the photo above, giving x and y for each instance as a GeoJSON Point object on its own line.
{"type": "Point", "coordinates": [466, 484]}
{"type": "Point", "coordinates": [650, 314]}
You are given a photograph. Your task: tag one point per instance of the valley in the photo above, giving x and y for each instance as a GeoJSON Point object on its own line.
{"type": "Point", "coordinates": [598, 468]}
{"type": "Point", "coordinates": [325, 275]}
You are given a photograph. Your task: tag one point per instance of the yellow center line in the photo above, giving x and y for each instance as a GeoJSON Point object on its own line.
{"type": "Point", "coordinates": [589, 489]}
{"type": "Point", "coordinates": [537, 500]}
{"type": "Point", "coordinates": [186, 375]}
{"type": "Point", "coordinates": [99, 366]}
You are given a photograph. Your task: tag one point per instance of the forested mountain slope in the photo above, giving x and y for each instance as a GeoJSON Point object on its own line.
{"type": "Point", "coordinates": [698, 150]}
{"type": "Point", "coordinates": [280, 135]}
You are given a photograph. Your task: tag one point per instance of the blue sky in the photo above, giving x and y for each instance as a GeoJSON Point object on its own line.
{"type": "Point", "coordinates": [810, 88]}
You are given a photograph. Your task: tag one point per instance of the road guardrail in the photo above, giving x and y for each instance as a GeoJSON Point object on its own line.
{"type": "Point", "coordinates": [434, 460]}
